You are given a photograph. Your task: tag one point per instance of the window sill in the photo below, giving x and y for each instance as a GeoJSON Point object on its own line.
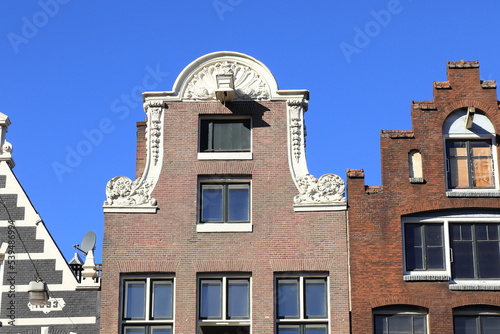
{"type": "Point", "coordinates": [224, 227]}
{"type": "Point", "coordinates": [426, 277]}
{"type": "Point", "coordinates": [417, 180]}
{"type": "Point", "coordinates": [225, 156]}
{"type": "Point", "coordinates": [473, 193]}
{"type": "Point", "coordinates": [475, 285]}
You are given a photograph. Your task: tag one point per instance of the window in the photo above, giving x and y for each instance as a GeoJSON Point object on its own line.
{"type": "Point", "coordinates": [476, 250]}
{"type": "Point", "coordinates": [424, 247]}
{"type": "Point", "coordinates": [400, 319]}
{"type": "Point", "coordinates": [225, 138]}
{"type": "Point", "coordinates": [459, 247]}
{"type": "Point", "coordinates": [224, 202]}
{"type": "Point", "coordinates": [470, 164]}
{"type": "Point", "coordinates": [476, 320]}
{"type": "Point", "coordinates": [470, 155]}
{"type": "Point", "coordinates": [302, 305]}
{"type": "Point", "coordinates": [147, 305]}
{"type": "Point", "coordinates": [224, 305]}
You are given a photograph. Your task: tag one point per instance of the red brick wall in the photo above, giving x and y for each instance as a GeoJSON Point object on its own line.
{"type": "Point", "coordinates": [282, 240]}
{"type": "Point", "coordinates": [375, 240]}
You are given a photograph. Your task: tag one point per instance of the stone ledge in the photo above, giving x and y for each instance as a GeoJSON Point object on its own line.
{"type": "Point", "coordinates": [465, 194]}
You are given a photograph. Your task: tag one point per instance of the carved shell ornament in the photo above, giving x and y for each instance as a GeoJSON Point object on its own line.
{"type": "Point", "coordinates": [328, 188]}
{"type": "Point", "coordinates": [247, 82]}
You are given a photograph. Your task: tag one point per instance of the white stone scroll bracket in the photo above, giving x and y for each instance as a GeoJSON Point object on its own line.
{"type": "Point", "coordinates": [5, 146]}
{"type": "Point", "coordinates": [323, 194]}
{"type": "Point", "coordinates": [125, 195]}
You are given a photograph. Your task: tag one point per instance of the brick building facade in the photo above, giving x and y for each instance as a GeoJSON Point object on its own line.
{"type": "Point", "coordinates": [424, 246]}
{"type": "Point", "coordinates": [27, 251]}
{"type": "Point", "coordinates": [224, 230]}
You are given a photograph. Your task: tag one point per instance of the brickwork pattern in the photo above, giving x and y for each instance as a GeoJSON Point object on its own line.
{"type": "Point", "coordinates": [375, 232]}
{"type": "Point", "coordinates": [282, 240]}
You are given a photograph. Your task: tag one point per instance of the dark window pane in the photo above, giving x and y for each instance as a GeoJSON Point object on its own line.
{"type": "Point", "coordinates": [288, 298]}
{"type": "Point", "coordinates": [381, 324]}
{"type": "Point", "coordinates": [490, 325]}
{"type": "Point", "coordinates": [434, 234]}
{"type": "Point", "coordinates": [413, 235]}
{"type": "Point", "coordinates": [435, 258]}
{"type": "Point", "coordinates": [135, 330]}
{"type": "Point", "coordinates": [212, 204]}
{"type": "Point", "coordinates": [315, 329]}
{"type": "Point", "coordinates": [161, 330]}
{"type": "Point", "coordinates": [315, 298]}
{"type": "Point", "coordinates": [162, 299]}
{"type": "Point", "coordinates": [238, 203]}
{"type": "Point", "coordinates": [211, 295]}
{"type": "Point", "coordinates": [419, 326]}
{"type": "Point", "coordinates": [225, 329]}
{"type": "Point", "coordinates": [413, 247]}
{"type": "Point", "coordinates": [400, 324]}
{"type": "Point", "coordinates": [225, 135]}
{"type": "Point", "coordinates": [135, 300]}
{"type": "Point", "coordinates": [465, 325]}
{"type": "Point", "coordinates": [463, 259]}
{"type": "Point", "coordinates": [493, 231]}
{"type": "Point", "coordinates": [238, 298]}
{"type": "Point", "coordinates": [488, 253]}
{"type": "Point", "coordinates": [481, 232]}
{"type": "Point", "coordinates": [288, 329]}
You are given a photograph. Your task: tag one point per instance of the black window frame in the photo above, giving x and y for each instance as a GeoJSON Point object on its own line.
{"type": "Point", "coordinates": [148, 321]}
{"type": "Point", "coordinates": [475, 240]}
{"type": "Point", "coordinates": [387, 313]}
{"type": "Point", "coordinates": [302, 321]}
{"type": "Point", "coordinates": [208, 134]}
{"type": "Point", "coordinates": [425, 246]}
{"type": "Point", "coordinates": [225, 185]}
{"type": "Point", "coordinates": [478, 313]}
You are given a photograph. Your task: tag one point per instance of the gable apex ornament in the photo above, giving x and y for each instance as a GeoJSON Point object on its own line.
{"type": "Point", "coordinates": [248, 85]}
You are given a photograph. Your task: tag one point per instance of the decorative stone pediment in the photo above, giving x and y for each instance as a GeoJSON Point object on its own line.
{"type": "Point", "coordinates": [247, 82]}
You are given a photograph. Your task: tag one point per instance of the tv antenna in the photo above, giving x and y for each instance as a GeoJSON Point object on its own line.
{"type": "Point", "coordinates": [87, 244]}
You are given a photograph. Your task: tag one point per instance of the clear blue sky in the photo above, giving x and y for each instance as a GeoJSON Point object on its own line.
{"type": "Point", "coordinates": [67, 66]}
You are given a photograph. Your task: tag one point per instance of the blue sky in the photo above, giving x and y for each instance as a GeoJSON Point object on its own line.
{"type": "Point", "coordinates": [71, 73]}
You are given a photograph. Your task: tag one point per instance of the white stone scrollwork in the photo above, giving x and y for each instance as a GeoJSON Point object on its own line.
{"type": "Point", "coordinates": [296, 110]}
{"type": "Point", "coordinates": [125, 195]}
{"type": "Point", "coordinates": [122, 191]}
{"type": "Point", "coordinates": [154, 108]}
{"type": "Point", "coordinates": [247, 82]}
{"type": "Point", "coordinates": [328, 188]}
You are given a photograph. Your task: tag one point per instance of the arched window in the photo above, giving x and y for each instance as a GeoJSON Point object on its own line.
{"type": "Point", "coordinates": [476, 319]}
{"type": "Point", "coordinates": [470, 158]}
{"type": "Point", "coordinates": [396, 319]}
{"type": "Point", "coordinates": [415, 166]}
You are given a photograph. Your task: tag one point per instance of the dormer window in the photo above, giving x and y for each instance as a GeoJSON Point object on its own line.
{"type": "Point", "coordinates": [470, 155]}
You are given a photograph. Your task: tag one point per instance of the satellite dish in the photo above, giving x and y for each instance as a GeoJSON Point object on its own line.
{"type": "Point", "coordinates": [88, 242]}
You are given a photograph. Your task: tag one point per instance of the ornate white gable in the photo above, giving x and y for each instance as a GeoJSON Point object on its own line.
{"type": "Point", "coordinates": [253, 81]}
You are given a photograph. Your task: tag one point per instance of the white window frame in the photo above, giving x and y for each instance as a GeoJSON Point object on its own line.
{"type": "Point", "coordinates": [302, 320]}
{"type": "Point", "coordinates": [446, 274]}
{"type": "Point", "coordinates": [148, 279]}
{"type": "Point", "coordinates": [224, 155]}
{"type": "Point", "coordinates": [224, 226]}
{"type": "Point", "coordinates": [223, 321]}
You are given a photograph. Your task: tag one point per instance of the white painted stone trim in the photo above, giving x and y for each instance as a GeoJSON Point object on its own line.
{"type": "Point", "coordinates": [224, 227]}
{"type": "Point", "coordinates": [51, 321]}
{"type": "Point", "coordinates": [225, 156]}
